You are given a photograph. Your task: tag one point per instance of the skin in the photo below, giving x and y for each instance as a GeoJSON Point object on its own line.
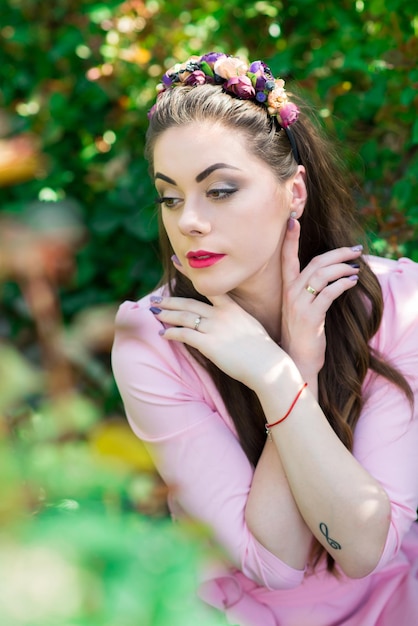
{"type": "Point", "coordinates": [305, 480]}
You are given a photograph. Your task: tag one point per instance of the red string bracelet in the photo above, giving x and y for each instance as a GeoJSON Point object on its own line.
{"type": "Point", "coordinates": [282, 419]}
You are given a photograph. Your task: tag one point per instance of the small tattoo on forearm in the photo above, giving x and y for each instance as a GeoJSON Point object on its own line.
{"type": "Point", "coordinates": [331, 542]}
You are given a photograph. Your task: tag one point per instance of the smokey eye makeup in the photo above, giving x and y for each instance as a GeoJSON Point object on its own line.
{"type": "Point", "coordinates": [170, 202]}
{"type": "Point", "coordinates": [221, 193]}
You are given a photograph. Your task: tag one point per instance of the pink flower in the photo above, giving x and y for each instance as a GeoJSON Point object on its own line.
{"type": "Point", "coordinates": [196, 78]}
{"type": "Point", "coordinates": [288, 114]}
{"type": "Point", "coordinates": [240, 86]}
{"type": "Point", "coordinates": [152, 111]}
{"type": "Point", "coordinates": [228, 67]}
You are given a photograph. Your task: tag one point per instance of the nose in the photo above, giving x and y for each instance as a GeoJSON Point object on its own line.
{"type": "Point", "coordinates": [194, 220]}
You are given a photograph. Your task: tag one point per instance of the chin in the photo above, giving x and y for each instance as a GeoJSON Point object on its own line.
{"type": "Point", "coordinates": [211, 290]}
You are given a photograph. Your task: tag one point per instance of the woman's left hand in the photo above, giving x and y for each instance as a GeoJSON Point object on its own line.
{"type": "Point", "coordinates": [226, 334]}
{"type": "Point", "coordinates": [306, 297]}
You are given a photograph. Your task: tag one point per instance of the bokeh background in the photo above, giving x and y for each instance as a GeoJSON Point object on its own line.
{"type": "Point", "coordinates": [85, 539]}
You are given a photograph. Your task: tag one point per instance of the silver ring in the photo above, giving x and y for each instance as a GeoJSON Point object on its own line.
{"type": "Point", "coordinates": [311, 290]}
{"type": "Point", "coordinates": [197, 322]}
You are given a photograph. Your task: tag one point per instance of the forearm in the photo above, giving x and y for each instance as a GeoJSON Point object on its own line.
{"type": "Point", "coordinates": [342, 505]}
{"type": "Point", "coordinates": [272, 514]}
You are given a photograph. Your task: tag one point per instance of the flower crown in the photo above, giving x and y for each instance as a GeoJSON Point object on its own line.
{"type": "Point", "coordinates": [252, 81]}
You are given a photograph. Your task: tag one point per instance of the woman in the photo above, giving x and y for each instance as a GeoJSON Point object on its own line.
{"type": "Point", "coordinates": [274, 373]}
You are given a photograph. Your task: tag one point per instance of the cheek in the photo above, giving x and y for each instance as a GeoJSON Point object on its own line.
{"type": "Point", "coordinates": [168, 224]}
{"type": "Point", "coordinates": [268, 221]}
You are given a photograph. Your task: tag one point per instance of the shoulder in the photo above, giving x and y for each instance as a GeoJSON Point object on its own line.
{"type": "Point", "coordinates": [141, 356]}
{"type": "Point", "coordinates": [398, 332]}
{"type": "Point", "coordinates": [137, 339]}
{"type": "Point", "coordinates": [134, 313]}
{"type": "Point", "coordinates": [398, 277]}
{"type": "Point", "coordinates": [165, 391]}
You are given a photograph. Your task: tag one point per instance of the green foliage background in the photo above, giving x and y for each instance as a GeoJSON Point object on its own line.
{"type": "Point", "coordinates": [357, 62]}
{"type": "Point", "coordinates": [79, 77]}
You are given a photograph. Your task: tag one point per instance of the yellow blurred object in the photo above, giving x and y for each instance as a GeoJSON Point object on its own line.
{"type": "Point", "coordinates": [115, 439]}
{"type": "Point", "coordinates": [135, 54]}
{"type": "Point", "coordinates": [20, 160]}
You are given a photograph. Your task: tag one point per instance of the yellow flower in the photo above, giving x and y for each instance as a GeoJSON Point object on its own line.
{"type": "Point", "coordinates": [276, 98]}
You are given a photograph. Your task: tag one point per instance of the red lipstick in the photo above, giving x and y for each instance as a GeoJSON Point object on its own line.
{"type": "Point", "coordinates": [202, 258]}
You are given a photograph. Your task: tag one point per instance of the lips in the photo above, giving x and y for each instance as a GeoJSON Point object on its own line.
{"type": "Point", "coordinates": [202, 258]}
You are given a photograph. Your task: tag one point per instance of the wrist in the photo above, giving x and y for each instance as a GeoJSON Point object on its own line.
{"type": "Point", "coordinates": [277, 371]}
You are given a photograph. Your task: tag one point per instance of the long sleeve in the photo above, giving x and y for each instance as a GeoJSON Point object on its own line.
{"type": "Point", "coordinates": [386, 436]}
{"type": "Point", "coordinates": [172, 404]}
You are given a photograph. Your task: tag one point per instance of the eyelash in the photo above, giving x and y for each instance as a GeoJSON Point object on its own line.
{"type": "Point", "coordinates": [165, 200]}
{"type": "Point", "coordinates": [224, 194]}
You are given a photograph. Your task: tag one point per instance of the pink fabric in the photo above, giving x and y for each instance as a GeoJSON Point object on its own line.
{"type": "Point", "coordinates": [172, 404]}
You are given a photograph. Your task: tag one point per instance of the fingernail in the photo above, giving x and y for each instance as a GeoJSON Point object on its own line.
{"type": "Point", "coordinates": [155, 310]}
{"type": "Point", "coordinates": [353, 277]}
{"type": "Point", "coordinates": [358, 248]}
{"type": "Point", "coordinates": [291, 223]}
{"type": "Point", "coordinates": [353, 264]}
{"type": "Point", "coordinates": [175, 260]}
{"type": "Point", "coordinates": [156, 299]}
{"type": "Point", "coordinates": [161, 332]}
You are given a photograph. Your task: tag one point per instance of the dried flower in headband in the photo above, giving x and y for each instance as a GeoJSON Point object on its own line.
{"type": "Point", "coordinates": [245, 81]}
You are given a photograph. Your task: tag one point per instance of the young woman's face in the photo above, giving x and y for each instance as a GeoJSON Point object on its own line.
{"type": "Point", "coordinates": [223, 209]}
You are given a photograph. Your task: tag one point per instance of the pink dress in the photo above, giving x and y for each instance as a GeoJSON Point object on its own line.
{"type": "Point", "coordinates": [172, 404]}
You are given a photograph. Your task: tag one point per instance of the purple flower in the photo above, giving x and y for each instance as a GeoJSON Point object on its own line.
{"type": "Point", "coordinates": [196, 78]}
{"type": "Point", "coordinates": [167, 80]}
{"type": "Point", "coordinates": [258, 66]}
{"type": "Point", "coordinates": [240, 86]}
{"type": "Point", "coordinates": [288, 114]}
{"type": "Point", "coordinates": [211, 57]}
{"type": "Point", "coordinates": [260, 83]}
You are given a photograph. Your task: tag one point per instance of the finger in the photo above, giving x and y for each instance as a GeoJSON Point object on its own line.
{"type": "Point", "coordinates": [326, 297]}
{"type": "Point", "coordinates": [326, 275]}
{"type": "Point", "coordinates": [179, 267]}
{"type": "Point", "coordinates": [181, 304]}
{"type": "Point", "coordinates": [331, 257]}
{"type": "Point", "coordinates": [290, 252]}
{"type": "Point", "coordinates": [184, 335]}
{"type": "Point", "coordinates": [183, 319]}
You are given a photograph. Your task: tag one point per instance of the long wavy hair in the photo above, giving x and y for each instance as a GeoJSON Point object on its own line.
{"type": "Point", "coordinates": [328, 222]}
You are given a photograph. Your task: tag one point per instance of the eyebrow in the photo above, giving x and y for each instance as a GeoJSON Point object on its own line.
{"type": "Point", "coordinates": [212, 168]}
{"type": "Point", "coordinates": [164, 177]}
{"type": "Point", "coordinates": [207, 172]}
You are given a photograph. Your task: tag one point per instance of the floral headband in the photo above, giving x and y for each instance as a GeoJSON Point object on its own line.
{"type": "Point", "coordinates": [245, 81]}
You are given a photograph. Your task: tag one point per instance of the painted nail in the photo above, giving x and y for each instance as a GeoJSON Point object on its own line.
{"type": "Point", "coordinates": [161, 332]}
{"type": "Point", "coordinates": [358, 248]}
{"type": "Point", "coordinates": [291, 223]}
{"type": "Point", "coordinates": [353, 264]}
{"type": "Point", "coordinates": [156, 299]}
{"type": "Point", "coordinates": [155, 310]}
{"type": "Point", "coordinates": [353, 277]}
{"type": "Point", "coordinates": [175, 260]}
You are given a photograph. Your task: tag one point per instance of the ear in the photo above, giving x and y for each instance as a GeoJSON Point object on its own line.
{"type": "Point", "coordinates": [299, 192]}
